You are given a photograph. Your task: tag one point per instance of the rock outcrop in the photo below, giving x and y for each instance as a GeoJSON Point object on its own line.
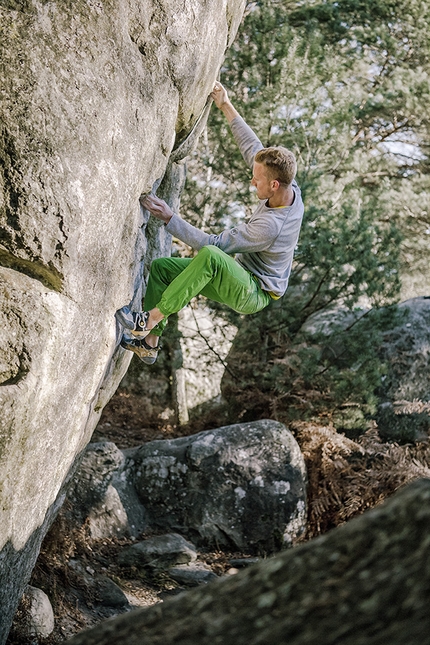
{"type": "Point", "coordinates": [203, 347]}
{"type": "Point", "coordinates": [364, 583]}
{"type": "Point", "coordinates": [94, 98]}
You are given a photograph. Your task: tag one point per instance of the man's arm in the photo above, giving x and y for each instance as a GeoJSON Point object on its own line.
{"type": "Point", "coordinates": [248, 142]}
{"type": "Point", "coordinates": [252, 236]}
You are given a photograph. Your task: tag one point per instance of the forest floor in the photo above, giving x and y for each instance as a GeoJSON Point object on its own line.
{"type": "Point", "coordinates": [345, 477]}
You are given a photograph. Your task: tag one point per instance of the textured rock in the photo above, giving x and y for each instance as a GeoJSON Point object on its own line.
{"type": "Point", "coordinates": [103, 591]}
{"type": "Point", "coordinates": [93, 498]}
{"type": "Point", "coordinates": [159, 553]}
{"type": "Point", "coordinates": [108, 518]}
{"type": "Point", "coordinates": [41, 615]}
{"type": "Point", "coordinates": [364, 583]}
{"type": "Point", "coordinates": [92, 479]}
{"type": "Point", "coordinates": [94, 97]}
{"type": "Point", "coordinates": [240, 486]}
{"type": "Point", "coordinates": [404, 412]}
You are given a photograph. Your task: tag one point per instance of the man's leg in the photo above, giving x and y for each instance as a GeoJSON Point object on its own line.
{"type": "Point", "coordinates": [162, 273]}
{"type": "Point", "coordinates": [212, 273]}
{"type": "Point", "coordinates": [217, 276]}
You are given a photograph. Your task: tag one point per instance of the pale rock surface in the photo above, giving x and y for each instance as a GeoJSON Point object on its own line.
{"type": "Point", "coordinates": [241, 486]}
{"type": "Point", "coordinates": [40, 613]}
{"type": "Point", "coordinates": [93, 99]}
{"type": "Point", "coordinates": [205, 343]}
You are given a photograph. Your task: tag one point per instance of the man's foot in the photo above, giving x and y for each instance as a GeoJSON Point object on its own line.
{"type": "Point", "coordinates": [140, 347]}
{"type": "Point", "coordinates": [134, 321]}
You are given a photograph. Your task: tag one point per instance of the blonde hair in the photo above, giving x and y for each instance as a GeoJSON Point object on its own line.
{"type": "Point", "coordinates": [280, 163]}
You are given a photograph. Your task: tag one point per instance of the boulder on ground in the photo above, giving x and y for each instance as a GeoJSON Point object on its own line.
{"type": "Point", "coordinates": [40, 612]}
{"type": "Point", "coordinates": [240, 486]}
{"type": "Point", "coordinates": [192, 575]}
{"type": "Point", "coordinates": [92, 479]}
{"type": "Point", "coordinates": [101, 496]}
{"type": "Point", "coordinates": [109, 594]}
{"type": "Point", "coordinates": [159, 553]}
{"type": "Point", "coordinates": [364, 583]}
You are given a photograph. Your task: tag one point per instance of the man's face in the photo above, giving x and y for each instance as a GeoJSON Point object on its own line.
{"type": "Point", "coordinates": [262, 182]}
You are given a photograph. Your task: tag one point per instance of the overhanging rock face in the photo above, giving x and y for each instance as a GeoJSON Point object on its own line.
{"type": "Point", "coordinates": [94, 97]}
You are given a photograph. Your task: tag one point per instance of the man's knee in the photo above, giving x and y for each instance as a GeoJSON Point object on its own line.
{"type": "Point", "coordinates": [211, 251]}
{"type": "Point", "coordinates": [160, 265]}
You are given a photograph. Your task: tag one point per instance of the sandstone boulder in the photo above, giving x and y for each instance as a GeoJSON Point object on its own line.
{"type": "Point", "coordinates": [94, 98]}
{"type": "Point", "coordinates": [41, 621]}
{"type": "Point", "coordinates": [240, 486]}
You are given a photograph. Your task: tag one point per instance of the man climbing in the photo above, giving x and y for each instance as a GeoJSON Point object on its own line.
{"type": "Point", "coordinates": [264, 246]}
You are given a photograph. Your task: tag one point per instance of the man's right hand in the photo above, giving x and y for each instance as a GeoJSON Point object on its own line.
{"type": "Point", "coordinates": [157, 207]}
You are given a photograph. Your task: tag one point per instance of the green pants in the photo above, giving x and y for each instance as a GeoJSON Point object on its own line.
{"type": "Point", "coordinates": [174, 281]}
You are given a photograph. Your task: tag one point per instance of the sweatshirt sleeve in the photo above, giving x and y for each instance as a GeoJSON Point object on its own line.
{"type": "Point", "coordinates": [187, 233]}
{"type": "Point", "coordinates": [256, 235]}
{"type": "Point", "coordinates": [248, 142]}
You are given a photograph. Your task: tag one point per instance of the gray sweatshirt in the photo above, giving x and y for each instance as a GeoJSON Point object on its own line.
{"type": "Point", "coordinates": [265, 243]}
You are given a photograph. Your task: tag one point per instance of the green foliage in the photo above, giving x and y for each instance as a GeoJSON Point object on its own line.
{"type": "Point", "coordinates": [328, 368]}
{"type": "Point", "coordinates": [345, 86]}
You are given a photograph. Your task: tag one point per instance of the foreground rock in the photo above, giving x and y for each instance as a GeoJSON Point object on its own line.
{"type": "Point", "coordinates": [365, 583]}
{"type": "Point", "coordinates": [94, 97]}
{"type": "Point", "coordinates": [241, 486]}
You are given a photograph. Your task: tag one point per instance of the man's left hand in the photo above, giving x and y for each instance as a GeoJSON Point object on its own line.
{"type": "Point", "coordinates": [157, 207]}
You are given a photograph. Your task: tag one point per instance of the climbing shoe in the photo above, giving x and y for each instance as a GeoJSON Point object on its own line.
{"type": "Point", "coordinates": [140, 347]}
{"type": "Point", "coordinates": [133, 321]}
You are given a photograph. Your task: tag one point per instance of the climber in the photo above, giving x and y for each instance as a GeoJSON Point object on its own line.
{"type": "Point", "coordinates": [264, 246]}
